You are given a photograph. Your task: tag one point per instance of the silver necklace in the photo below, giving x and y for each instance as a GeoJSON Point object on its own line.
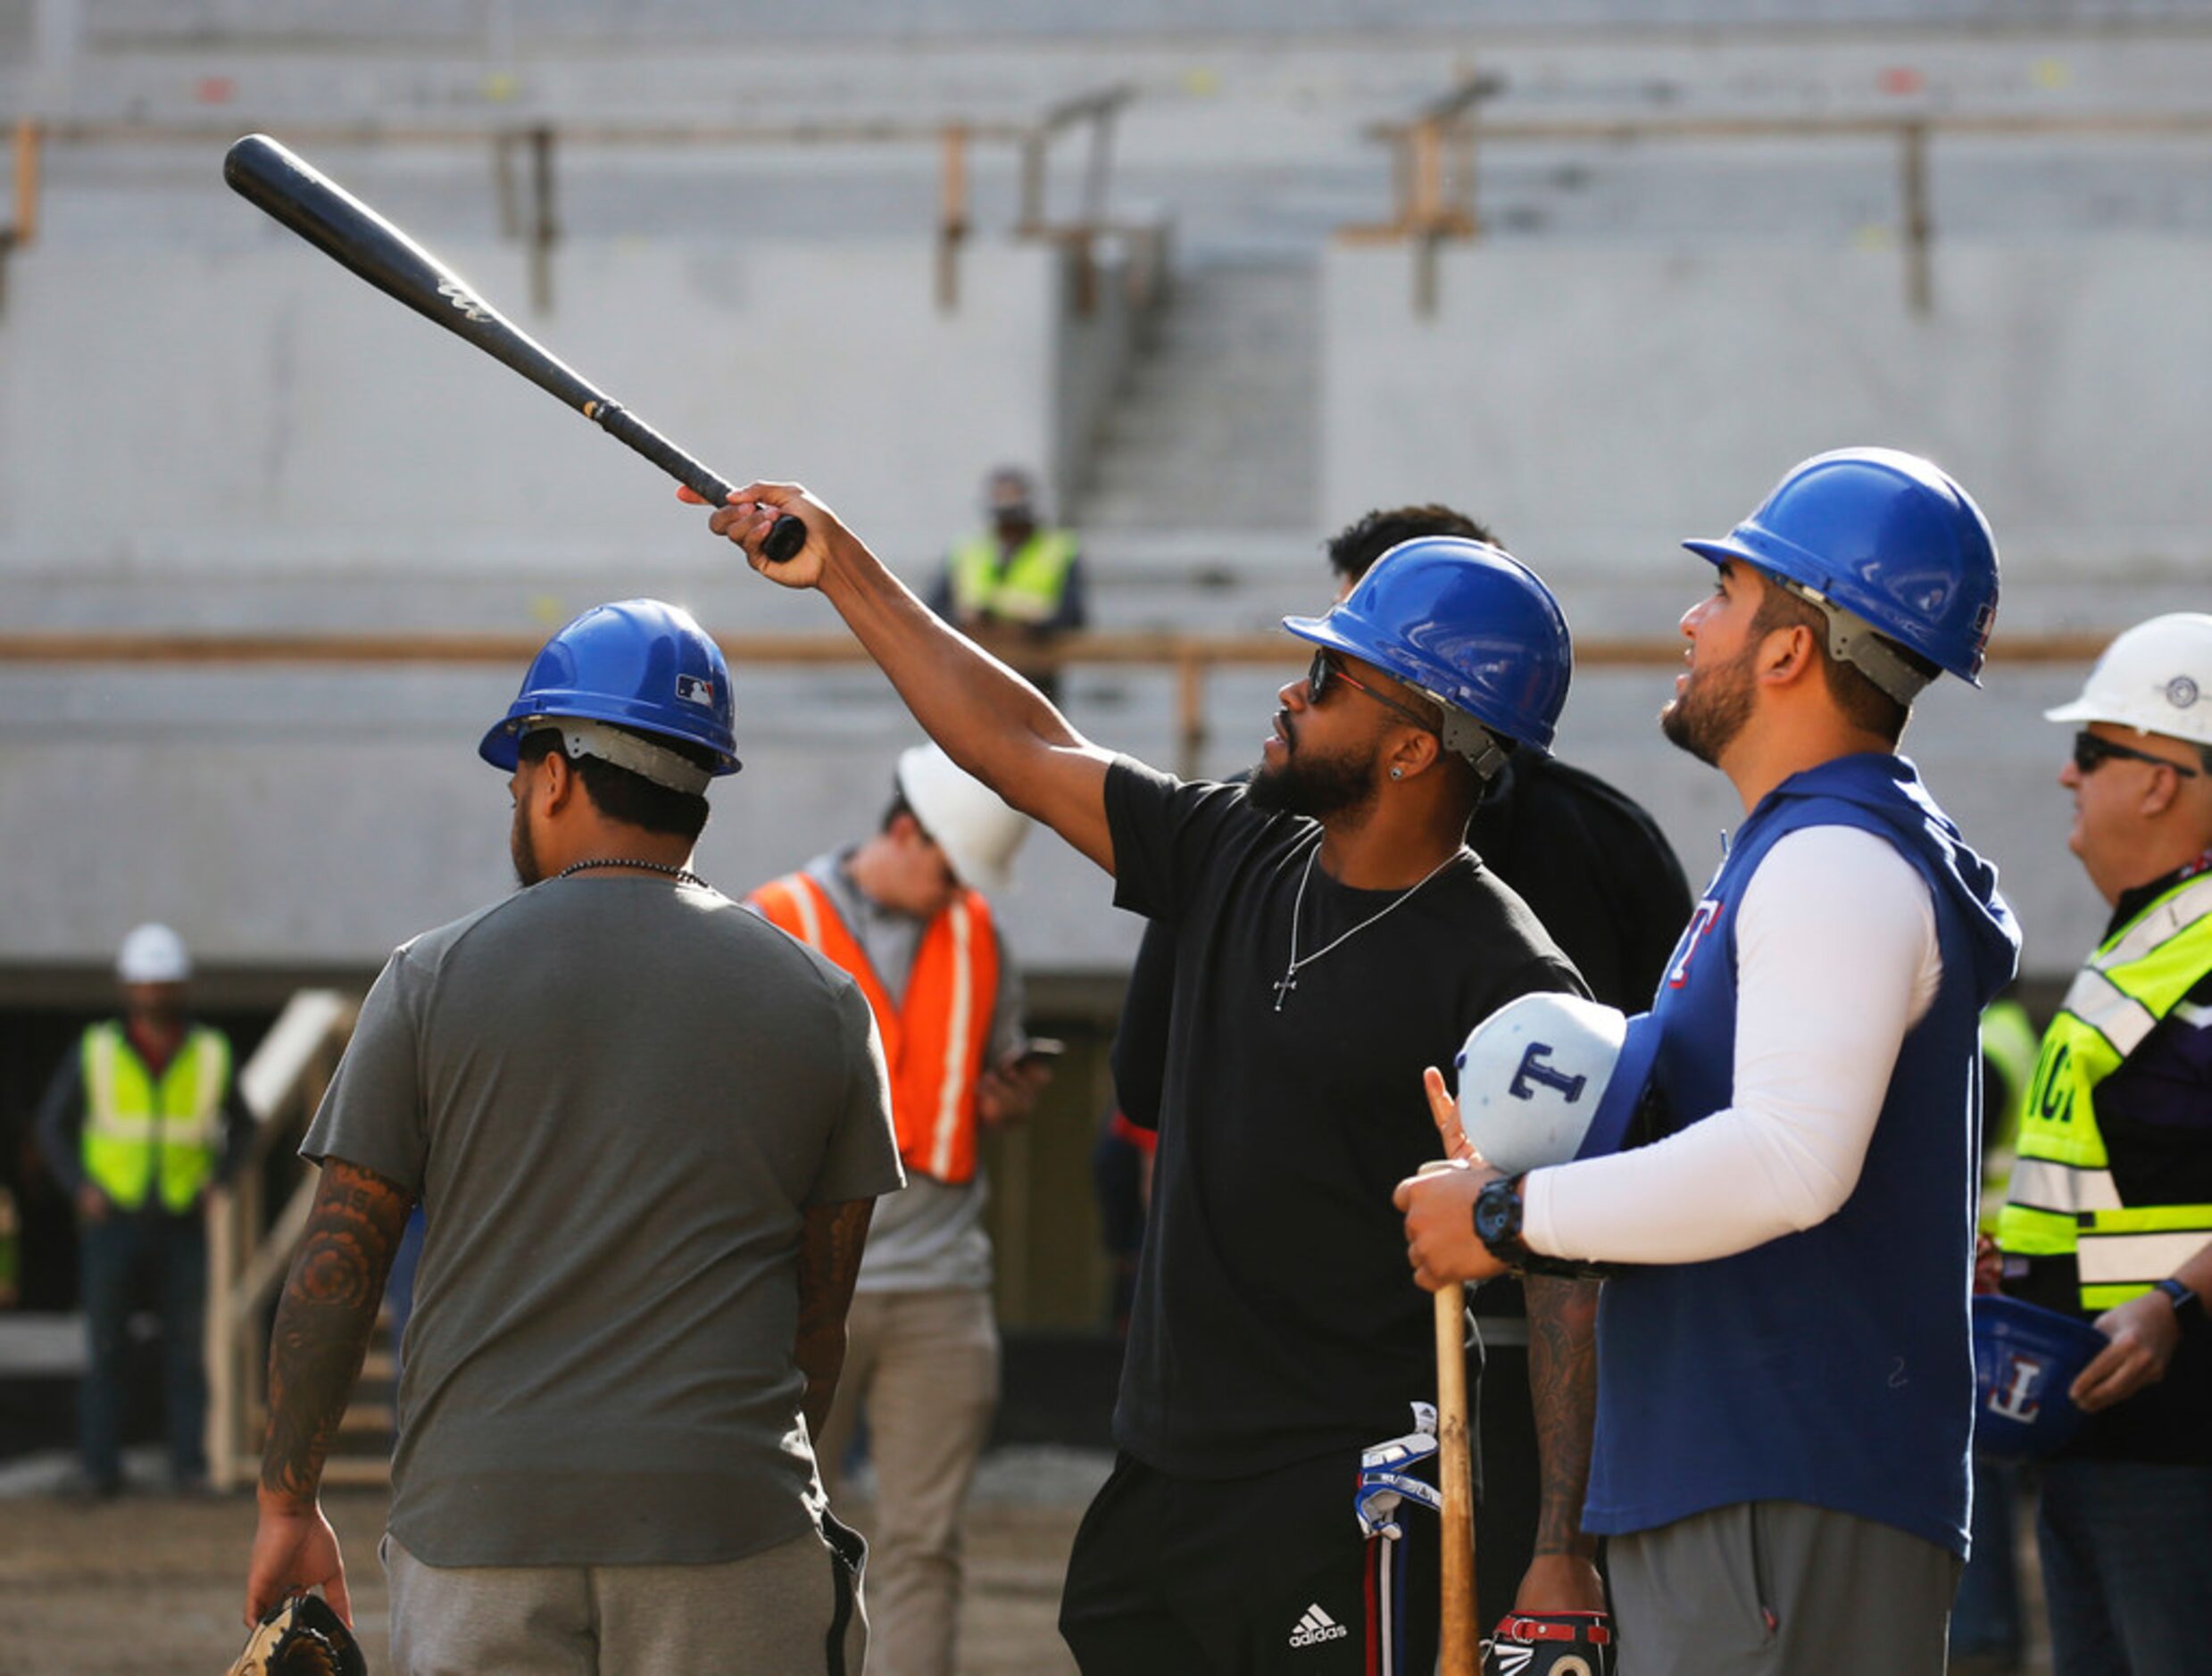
{"type": "Point", "coordinates": [1288, 982]}
{"type": "Point", "coordinates": [682, 875]}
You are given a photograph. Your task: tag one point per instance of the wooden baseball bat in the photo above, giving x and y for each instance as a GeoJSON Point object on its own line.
{"type": "Point", "coordinates": [342, 226]}
{"type": "Point", "coordinates": [1460, 1645]}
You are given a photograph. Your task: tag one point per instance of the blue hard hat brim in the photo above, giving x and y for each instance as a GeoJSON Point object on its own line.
{"type": "Point", "coordinates": [1731, 552]}
{"type": "Point", "coordinates": [502, 743]}
{"type": "Point", "coordinates": [1624, 1088]}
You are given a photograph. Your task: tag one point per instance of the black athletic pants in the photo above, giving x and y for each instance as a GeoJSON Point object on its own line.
{"type": "Point", "coordinates": [1248, 1576]}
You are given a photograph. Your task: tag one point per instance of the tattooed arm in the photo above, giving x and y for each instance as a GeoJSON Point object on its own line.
{"type": "Point", "coordinates": [1563, 1387]}
{"type": "Point", "coordinates": [829, 1261]}
{"type": "Point", "coordinates": [315, 1353]}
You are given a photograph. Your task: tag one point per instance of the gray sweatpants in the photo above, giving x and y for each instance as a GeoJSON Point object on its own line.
{"type": "Point", "coordinates": [769, 1612]}
{"type": "Point", "coordinates": [1780, 1588]}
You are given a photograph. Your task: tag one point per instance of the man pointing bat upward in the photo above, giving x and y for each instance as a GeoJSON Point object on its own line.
{"type": "Point", "coordinates": [1785, 1382]}
{"type": "Point", "coordinates": [1274, 1334]}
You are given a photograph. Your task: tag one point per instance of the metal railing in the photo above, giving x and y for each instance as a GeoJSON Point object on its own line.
{"type": "Point", "coordinates": [1190, 660]}
{"type": "Point", "coordinates": [1437, 153]}
{"type": "Point", "coordinates": [248, 1252]}
{"type": "Point", "coordinates": [525, 170]}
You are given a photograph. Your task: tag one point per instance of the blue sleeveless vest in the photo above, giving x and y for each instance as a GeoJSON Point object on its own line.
{"type": "Point", "coordinates": [1833, 1366]}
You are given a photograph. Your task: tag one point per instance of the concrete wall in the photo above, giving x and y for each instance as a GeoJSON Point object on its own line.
{"type": "Point", "coordinates": [1602, 404]}
{"type": "Point", "coordinates": [254, 408]}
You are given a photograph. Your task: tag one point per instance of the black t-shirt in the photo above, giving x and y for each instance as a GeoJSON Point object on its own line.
{"type": "Point", "coordinates": [1584, 856]}
{"type": "Point", "coordinates": [1276, 1318]}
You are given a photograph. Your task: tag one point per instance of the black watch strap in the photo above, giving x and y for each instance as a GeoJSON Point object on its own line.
{"type": "Point", "coordinates": [2188, 1307]}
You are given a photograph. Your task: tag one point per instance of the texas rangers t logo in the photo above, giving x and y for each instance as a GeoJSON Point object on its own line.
{"type": "Point", "coordinates": [2015, 1394]}
{"type": "Point", "coordinates": [1534, 1069]}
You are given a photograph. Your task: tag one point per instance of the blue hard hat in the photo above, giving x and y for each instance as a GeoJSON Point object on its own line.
{"type": "Point", "coordinates": [642, 664]}
{"type": "Point", "coordinates": [2024, 1357]}
{"type": "Point", "coordinates": [1888, 536]}
{"type": "Point", "coordinates": [1464, 622]}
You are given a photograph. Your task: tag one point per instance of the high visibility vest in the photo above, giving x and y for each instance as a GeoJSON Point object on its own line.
{"type": "Point", "coordinates": [1027, 588]}
{"type": "Point", "coordinates": [2009, 1048]}
{"type": "Point", "coordinates": [933, 1039]}
{"type": "Point", "coordinates": [2063, 1198]}
{"type": "Point", "coordinates": [145, 1134]}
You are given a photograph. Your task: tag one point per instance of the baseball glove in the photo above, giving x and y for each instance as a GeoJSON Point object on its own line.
{"type": "Point", "coordinates": [301, 1637]}
{"type": "Point", "coordinates": [1549, 1644]}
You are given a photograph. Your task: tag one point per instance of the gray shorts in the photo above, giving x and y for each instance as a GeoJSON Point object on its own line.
{"type": "Point", "coordinates": [769, 1612]}
{"type": "Point", "coordinates": [1780, 1588]}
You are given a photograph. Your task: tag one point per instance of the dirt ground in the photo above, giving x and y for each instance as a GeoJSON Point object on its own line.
{"type": "Point", "coordinates": [153, 1585]}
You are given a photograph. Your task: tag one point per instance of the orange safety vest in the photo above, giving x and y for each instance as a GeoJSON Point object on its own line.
{"type": "Point", "coordinates": [934, 1041]}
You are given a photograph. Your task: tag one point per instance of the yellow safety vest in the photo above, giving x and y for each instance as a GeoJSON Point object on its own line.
{"type": "Point", "coordinates": [2063, 1200]}
{"type": "Point", "coordinates": [1027, 589]}
{"type": "Point", "coordinates": [141, 1134]}
{"type": "Point", "coordinates": [2008, 1045]}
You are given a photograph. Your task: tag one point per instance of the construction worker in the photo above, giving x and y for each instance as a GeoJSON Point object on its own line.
{"type": "Point", "coordinates": [141, 1121]}
{"type": "Point", "coordinates": [1015, 583]}
{"type": "Point", "coordinates": [2110, 1214]}
{"type": "Point", "coordinates": [905, 912]}
{"type": "Point", "coordinates": [650, 1129]}
{"type": "Point", "coordinates": [1334, 934]}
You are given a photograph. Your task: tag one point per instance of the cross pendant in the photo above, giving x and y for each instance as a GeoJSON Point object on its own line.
{"type": "Point", "coordinates": [1283, 986]}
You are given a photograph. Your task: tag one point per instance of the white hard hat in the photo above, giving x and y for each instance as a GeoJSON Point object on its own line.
{"type": "Point", "coordinates": [1547, 1079]}
{"type": "Point", "coordinates": [977, 833]}
{"type": "Point", "coordinates": [153, 954]}
{"type": "Point", "coordinates": [2156, 677]}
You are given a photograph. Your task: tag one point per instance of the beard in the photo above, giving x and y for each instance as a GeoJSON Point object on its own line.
{"type": "Point", "coordinates": [1315, 788]}
{"type": "Point", "coordinates": [1710, 711]}
{"type": "Point", "coordinates": [522, 851]}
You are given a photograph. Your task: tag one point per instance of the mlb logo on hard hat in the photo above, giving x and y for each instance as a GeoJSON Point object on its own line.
{"type": "Point", "coordinates": [696, 690]}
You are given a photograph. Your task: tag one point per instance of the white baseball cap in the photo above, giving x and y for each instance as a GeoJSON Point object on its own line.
{"type": "Point", "coordinates": [153, 954]}
{"type": "Point", "coordinates": [1547, 1079]}
{"type": "Point", "coordinates": [2156, 677]}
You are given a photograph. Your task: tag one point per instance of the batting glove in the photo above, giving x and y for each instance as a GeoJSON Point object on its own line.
{"type": "Point", "coordinates": [1551, 1644]}
{"type": "Point", "coordinates": [1386, 1476]}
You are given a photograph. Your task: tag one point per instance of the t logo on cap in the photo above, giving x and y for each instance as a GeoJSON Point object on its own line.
{"type": "Point", "coordinates": [1534, 1069]}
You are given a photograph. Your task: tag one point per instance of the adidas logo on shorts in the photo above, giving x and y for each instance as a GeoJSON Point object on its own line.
{"type": "Point", "coordinates": [1316, 1627]}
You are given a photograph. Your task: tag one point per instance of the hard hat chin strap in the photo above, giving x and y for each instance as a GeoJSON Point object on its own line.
{"type": "Point", "coordinates": [624, 749]}
{"type": "Point", "coordinates": [1468, 737]}
{"type": "Point", "coordinates": [1855, 641]}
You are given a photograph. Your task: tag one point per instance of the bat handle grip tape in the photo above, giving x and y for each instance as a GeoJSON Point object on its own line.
{"type": "Point", "coordinates": [784, 537]}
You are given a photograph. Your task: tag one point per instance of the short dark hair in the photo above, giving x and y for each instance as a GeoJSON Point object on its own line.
{"type": "Point", "coordinates": [897, 807]}
{"type": "Point", "coordinates": [1353, 550]}
{"type": "Point", "coordinates": [1863, 704]}
{"type": "Point", "coordinates": [621, 795]}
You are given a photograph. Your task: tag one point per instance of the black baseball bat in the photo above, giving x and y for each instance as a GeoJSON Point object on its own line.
{"type": "Point", "coordinates": [342, 226]}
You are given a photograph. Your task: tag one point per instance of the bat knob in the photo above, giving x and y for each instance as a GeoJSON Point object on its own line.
{"type": "Point", "coordinates": [785, 536]}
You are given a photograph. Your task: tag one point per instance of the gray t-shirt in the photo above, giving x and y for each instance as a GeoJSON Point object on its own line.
{"type": "Point", "coordinates": [929, 1236]}
{"type": "Point", "coordinates": [617, 1097]}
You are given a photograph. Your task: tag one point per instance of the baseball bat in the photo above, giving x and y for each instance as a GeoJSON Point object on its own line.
{"type": "Point", "coordinates": [1459, 1644]}
{"type": "Point", "coordinates": [342, 226]}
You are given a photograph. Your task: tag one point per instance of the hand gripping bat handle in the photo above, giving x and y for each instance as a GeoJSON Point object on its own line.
{"type": "Point", "coordinates": [785, 536]}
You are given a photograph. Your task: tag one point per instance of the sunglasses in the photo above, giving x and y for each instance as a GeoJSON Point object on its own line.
{"type": "Point", "coordinates": [2091, 750]}
{"type": "Point", "coordinates": [1324, 672]}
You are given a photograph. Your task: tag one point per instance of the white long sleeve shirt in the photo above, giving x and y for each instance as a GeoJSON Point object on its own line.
{"type": "Point", "coordinates": [1836, 959]}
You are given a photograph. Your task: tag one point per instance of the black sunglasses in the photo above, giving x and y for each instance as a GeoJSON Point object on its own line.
{"type": "Point", "coordinates": [1325, 672]}
{"type": "Point", "coordinates": [2091, 750]}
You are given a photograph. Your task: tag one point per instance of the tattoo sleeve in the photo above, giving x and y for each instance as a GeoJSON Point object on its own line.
{"type": "Point", "coordinates": [829, 1262]}
{"type": "Point", "coordinates": [323, 1322]}
{"type": "Point", "coordinates": [1563, 1388]}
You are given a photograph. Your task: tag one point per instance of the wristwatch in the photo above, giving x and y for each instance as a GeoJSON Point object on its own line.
{"type": "Point", "coordinates": [2188, 1307]}
{"type": "Point", "coordinates": [1497, 1221]}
